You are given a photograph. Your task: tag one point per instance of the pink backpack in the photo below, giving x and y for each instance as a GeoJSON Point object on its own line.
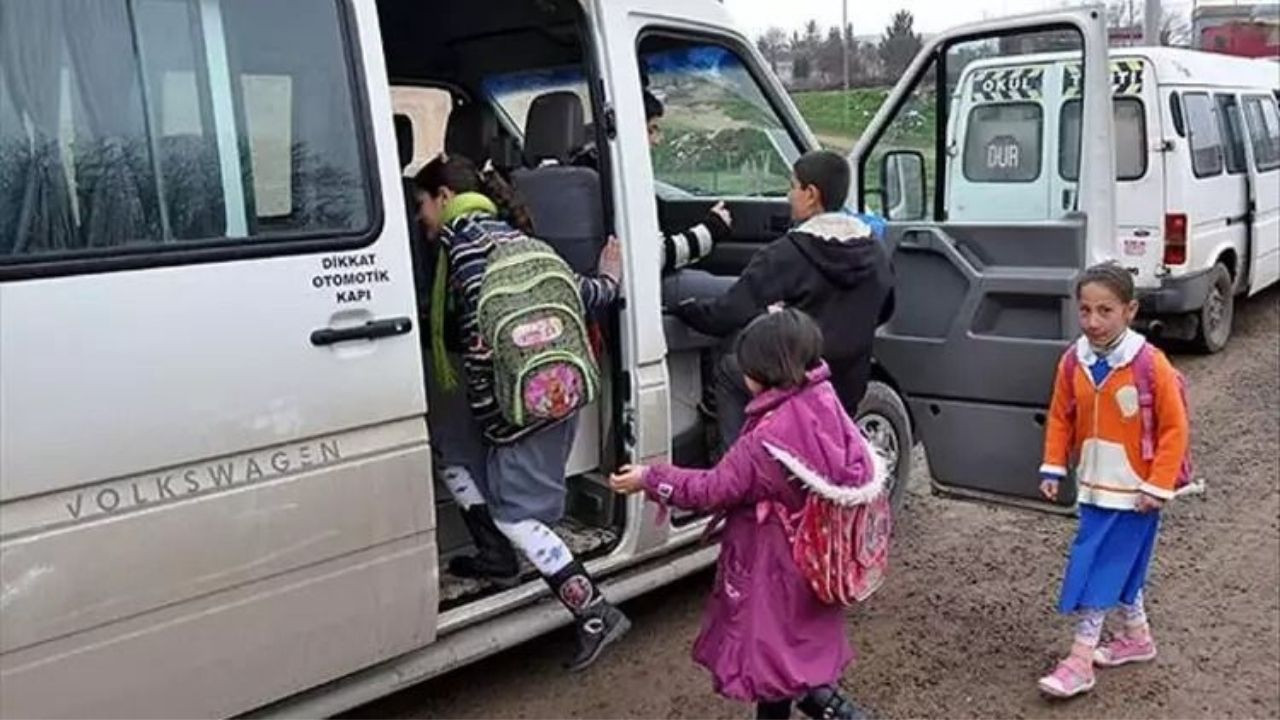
{"type": "Point", "coordinates": [1144, 373]}
{"type": "Point", "coordinates": [842, 549]}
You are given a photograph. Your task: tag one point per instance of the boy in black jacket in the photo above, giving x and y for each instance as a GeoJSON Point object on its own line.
{"type": "Point", "coordinates": [830, 265]}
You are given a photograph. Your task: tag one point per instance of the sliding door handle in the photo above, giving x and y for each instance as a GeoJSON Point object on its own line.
{"type": "Point", "coordinates": [372, 330]}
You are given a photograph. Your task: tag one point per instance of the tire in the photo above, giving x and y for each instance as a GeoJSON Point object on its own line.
{"type": "Point", "coordinates": [883, 418]}
{"type": "Point", "coordinates": [1213, 326]}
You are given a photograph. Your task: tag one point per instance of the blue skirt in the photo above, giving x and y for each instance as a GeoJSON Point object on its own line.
{"type": "Point", "coordinates": [1109, 558]}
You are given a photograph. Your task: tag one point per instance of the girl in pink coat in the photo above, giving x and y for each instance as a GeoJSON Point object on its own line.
{"type": "Point", "coordinates": [766, 637]}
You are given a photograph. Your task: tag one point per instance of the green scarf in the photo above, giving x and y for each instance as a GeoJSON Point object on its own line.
{"type": "Point", "coordinates": [461, 205]}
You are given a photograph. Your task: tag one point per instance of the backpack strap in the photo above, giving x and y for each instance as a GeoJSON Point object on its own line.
{"type": "Point", "coordinates": [1144, 377]}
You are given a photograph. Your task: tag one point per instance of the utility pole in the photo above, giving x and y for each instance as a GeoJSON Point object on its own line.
{"type": "Point", "coordinates": [844, 41]}
{"type": "Point", "coordinates": [1153, 17]}
{"type": "Point", "coordinates": [844, 57]}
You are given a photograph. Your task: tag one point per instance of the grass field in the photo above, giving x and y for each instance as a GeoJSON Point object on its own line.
{"type": "Point", "coordinates": [839, 118]}
{"type": "Point", "coordinates": [720, 145]}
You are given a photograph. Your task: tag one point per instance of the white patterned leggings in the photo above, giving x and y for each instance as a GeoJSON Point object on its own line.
{"type": "Point", "coordinates": [1090, 622]}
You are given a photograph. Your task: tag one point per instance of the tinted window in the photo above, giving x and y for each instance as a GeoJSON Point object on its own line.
{"type": "Point", "coordinates": [428, 110]}
{"type": "Point", "coordinates": [1205, 141]}
{"type": "Point", "coordinates": [235, 123]}
{"type": "Point", "coordinates": [1233, 134]}
{"type": "Point", "coordinates": [1175, 112]}
{"type": "Point", "coordinates": [1263, 121]}
{"type": "Point", "coordinates": [1003, 143]}
{"type": "Point", "coordinates": [1131, 139]}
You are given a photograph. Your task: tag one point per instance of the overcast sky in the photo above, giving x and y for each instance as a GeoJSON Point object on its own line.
{"type": "Point", "coordinates": [869, 17]}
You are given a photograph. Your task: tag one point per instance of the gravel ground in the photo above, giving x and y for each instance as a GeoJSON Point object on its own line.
{"type": "Point", "coordinates": [965, 623]}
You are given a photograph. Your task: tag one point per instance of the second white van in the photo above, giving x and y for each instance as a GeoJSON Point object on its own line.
{"type": "Point", "coordinates": [1197, 139]}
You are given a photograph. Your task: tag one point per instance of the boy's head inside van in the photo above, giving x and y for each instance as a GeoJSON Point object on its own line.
{"type": "Point", "coordinates": [819, 183]}
{"type": "Point", "coordinates": [1106, 302]}
{"type": "Point", "coordinates": [778, 349]}
{"type": "Point", "coordinates": [653, 112]}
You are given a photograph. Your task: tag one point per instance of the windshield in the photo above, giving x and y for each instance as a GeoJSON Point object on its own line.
{"type": "Point", "coordinates": [720, 135]}
{"type": "Point", "coordinates": [513, 93]}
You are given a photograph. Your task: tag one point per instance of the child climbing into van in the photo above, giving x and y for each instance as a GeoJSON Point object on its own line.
{"type": "Point", "coordinates": [515, 299]}
{"type": "Point", "coordinates": [1118, 409]}
{"type": "Point", "coordinates": [768, 636]}
{"type": "Point", "coordinates": [829, 265]}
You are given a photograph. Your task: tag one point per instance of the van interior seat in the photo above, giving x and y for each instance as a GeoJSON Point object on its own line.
{"type": "Point", "coordinates": [469, 131]}
{"type": "Point", "coordinates": [681, 337]}
{"type": "Point", "coordinates": [564, 200]}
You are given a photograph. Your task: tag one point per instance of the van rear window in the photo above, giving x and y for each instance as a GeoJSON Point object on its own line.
{"type": "Point", "coordinates": [141, 127]}
{"type": "Point", "coordinates": [1004, 143]}
{"type": "Point", "coordinates": [1131, 140]}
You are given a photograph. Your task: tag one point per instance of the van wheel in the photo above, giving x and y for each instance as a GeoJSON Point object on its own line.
{"type": "Point", "coordinates": [1214, 326]}
{"type": "Point", "coordinates": [883, 419]}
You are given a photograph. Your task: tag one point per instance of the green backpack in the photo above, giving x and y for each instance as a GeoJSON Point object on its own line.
{"type": "Point", "coordinates": [531, 315]}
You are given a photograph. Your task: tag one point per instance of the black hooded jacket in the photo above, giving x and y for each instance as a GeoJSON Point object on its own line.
{"type": "Point", "coordinates": [830, 267]}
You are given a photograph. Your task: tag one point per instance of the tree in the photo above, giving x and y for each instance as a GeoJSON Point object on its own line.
{"type": "Point", "coordinates": [802, 67]}
{"type": "Point", "coordinates": [900, 44]}
{"type": "Point", "coordinates": [804, 51]}
{"type": "Point", "coordinates": [1175, 31]}
{"type": "Point", "coordinates": [812, 35]}
{"type": "Point", "coordinates": [867, 65]}
{"type": "Point", "coordinates": [831, 55]}
{"type": "Point", "coordinates": [1124, 14]}
{"type": "Point", "coordinates": [1125, 21]}
{"type": "Point", "coordinates": [773, 45]}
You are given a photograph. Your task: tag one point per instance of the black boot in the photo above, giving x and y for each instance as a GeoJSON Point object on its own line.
{"type": "Point", "coordinates": [780, 710]}
{"type": "Point", "coordinates": [827, 703]}
{"type": "Point", "coordinates": [496, 560]}
{"type": "Point", "coordinates": [599, 624]}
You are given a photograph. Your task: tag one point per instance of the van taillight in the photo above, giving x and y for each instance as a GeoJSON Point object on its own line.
{"type": "Point", "coordinates": [1175, 239]}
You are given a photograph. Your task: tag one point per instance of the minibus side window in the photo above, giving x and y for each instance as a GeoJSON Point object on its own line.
{"type": "Point", "coordinates": [146, 127]}
{"type": "Point", "coordinates": [1175, 112]}
{"type": "Point", "coordinates": [1205, 141]}
{"type": "Point", "coordinates": [1233, 134]}
{"type": "Point", "coordinates": [428, 110]}
{"type": "Point", "coordinates": [1263, 120]}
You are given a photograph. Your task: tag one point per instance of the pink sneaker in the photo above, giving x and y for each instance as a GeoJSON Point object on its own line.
{"type": "Point", "coordinates": [1072, 677]}
{"type": "Point", "coordinates": [1122, 650]}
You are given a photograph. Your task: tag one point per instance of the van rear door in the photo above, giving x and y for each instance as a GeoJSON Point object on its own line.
{"type": "Point", "coordinates": [213, 456]}
{"type": "Point", "coordinates": [1000, 157]}
{"type": "Point", "coordinates": [985, 305]}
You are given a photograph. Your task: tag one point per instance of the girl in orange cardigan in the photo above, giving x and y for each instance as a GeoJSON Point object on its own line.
{"type": "Point", "coordinates": [1096, 419]}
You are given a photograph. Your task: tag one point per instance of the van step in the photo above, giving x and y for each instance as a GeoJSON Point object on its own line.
{"type": "Point", "coordinates": [585, 541]}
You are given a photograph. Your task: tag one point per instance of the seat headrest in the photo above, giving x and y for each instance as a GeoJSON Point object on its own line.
{"type": "Point", "coordinates": [554, 128]}
{"type": "Point", "coordinates": [404, 139]}
{"type": "Point", "coordinates": [465, 133]}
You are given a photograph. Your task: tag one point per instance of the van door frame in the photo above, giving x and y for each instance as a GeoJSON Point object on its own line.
{"type": "Point", "coordinates": [1225, 101]}
{"type": "Point", "coordinates": [1251, 284]}
{"type": "Point", "coordinates": [1012, 304]}
{"type": "Point", "coordinates": [647, 428]}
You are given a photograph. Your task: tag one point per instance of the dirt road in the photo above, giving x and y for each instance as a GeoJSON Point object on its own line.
{"type": "Point", "coordinates": [965, 623]}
